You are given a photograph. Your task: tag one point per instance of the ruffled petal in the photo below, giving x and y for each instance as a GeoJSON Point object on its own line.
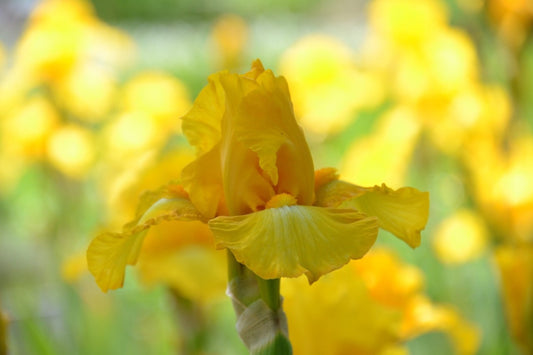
{"type": "Point", "coordinates": [265, 124]}
{"type": "Point", "coordinates": [291, 240]}
{"type": "Point", "coordinates": [403, 212]}
{"type": "Point", "coordinates": [109, 253]}
{"type": "Point", "coordinates": [201, 125]}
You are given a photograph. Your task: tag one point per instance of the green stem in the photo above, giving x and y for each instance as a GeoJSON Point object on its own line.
{"type": "Point", "coordinates": [261, 322]}
{"type": "Point", "coordinates": [269, 291]}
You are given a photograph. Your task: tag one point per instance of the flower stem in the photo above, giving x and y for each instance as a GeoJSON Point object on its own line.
{"type": "Point", "coordinates": [191, 323]}
{"type": "Point", "coordinates": [261, 322]}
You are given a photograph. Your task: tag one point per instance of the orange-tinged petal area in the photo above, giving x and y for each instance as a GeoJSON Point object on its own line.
{"type": "Point", "coordinates": [291, 240]}
{"type": "Point", "coordinates": [109, 253]}
{"type": "Point", "coordinates": [338, 316]}
{"type": "Point", "coordinates": [403, 212]}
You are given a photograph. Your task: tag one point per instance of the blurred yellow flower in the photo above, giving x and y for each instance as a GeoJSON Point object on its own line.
{"type": "Point", "coordinates": [124, 182]}
{"type": "Point", "coordinates": [182, 256]}
{"type": "Point", "coordinates": [399, 286]}
{"type": "Point", "coordinates": [27, 128]}
{"type": "Point", "coordinates": [131, 133]}
{"type": "Point", "coordinates": [63, 33]}
{"type": "Point", "coordinates": [515, 263]}
{"type": "Point", "coordinates": [229, 37]}
{"type": "Point", "coordinates": [158, 95]}
{"type": "Point", "coordinates": [254, 164]}
{"type": "Point", "coordinates": [461, 237]}
{"type": "Point", "coordinates": [502, 182]}
{"type": "Point", "coordinates": [338, 316]}
{"type": "Point", "coordinates": [407, 22]}
{"type": "Point", "coordinates": [326, 86]}
{"type": "Point", "coordinates": [369, 159]}
{"type": "Point", "coordinates": [71, 150]}
{"type": "Point", "coordinates": [437, 69]}
{"type": "Point", "coordinates": [370, 306]}
{"type": "Point", "coordinates": [88, 92]}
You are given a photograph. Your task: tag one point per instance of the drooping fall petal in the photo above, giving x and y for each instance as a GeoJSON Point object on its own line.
{"type": "Point", "coordinates": [403, 212]}
{"type": "Point", "coordinates": [291, 240]}
{"type": "Point", "coordinates": [109, 253]}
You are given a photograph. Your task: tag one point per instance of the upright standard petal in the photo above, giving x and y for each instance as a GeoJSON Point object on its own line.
{"type": "Point", "coordinates": [403, 212]}
{"type": "Point", "coordinates": [263, 150]}
{"type": "Point", "coordinates": [291, 240]}
{"type": "Point", "coordinates": [109, 253]}
{"type": "Point", "coordinates": [202, 179]}
{"type": "Point", "coordinates": [201, 125]}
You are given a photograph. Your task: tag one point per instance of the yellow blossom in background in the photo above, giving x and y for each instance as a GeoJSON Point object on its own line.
{"type": "Point", "coordinates": [151, 103]}
{"type": "Point", "coordinates": [473, 114]}
{"type": "Point", "coordinates": [260, 172]}
{"type": "Point", "coordinates": [400, 286]}
{"type": "Point", "coordinates": [229, 38]}
{"type": "Point", "coordinates": [461, 237]}
{"type": "Point", "coordinates": [338, 316]}
{"type": "Point", "coordinates": [369, 159]}
{"type": "Point", "coordinates": [436, 69]}
{"type": "Point", "coordinates": [124, 184]}
{"type": "Point", "coordinates": [129, 134]}
{"type": "Point", "coordinates": [326, 86]}
{"type": "Point", "coordinates": [61, 34]}
{"type": "Point", "coordinates": [515, 264]}
{"type": "Point", "coordinates": [71, 150]}
{"type": "Point", "coordinates": [160, 96]}
{"type": "Point", "coordinates": [405, 22]}
{"type": "Point", "coordinates": [422, 316]}
{"type": "Point", "coordinates": [182, 256]}
{"type": "Point", "coordinates": [27, 128]}
{"type": "Point", "coordinates": [503, 184]}
{"type": "Point", "coordinates": [370, 306]}
{"type": "Point", "coordinates": [88, 92]}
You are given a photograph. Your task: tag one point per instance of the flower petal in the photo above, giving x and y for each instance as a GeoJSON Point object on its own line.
{"type": "Point", "coordinates": [201, 125]}
{"type": "Point", "coordinates": [266, 125]}
{"type": "Point", "coordinates": [203, 181]}
{"type": "Point", "coordinates": [109, 253]}
{"type": "Point", "coordinates": [403, 212]}
{"type": "Point", "coordinates": [291, 240]}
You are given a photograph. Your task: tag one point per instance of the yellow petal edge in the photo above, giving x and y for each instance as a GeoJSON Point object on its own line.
{"type": "Point", "coordinates": [292, 240]}
{"type": "Point", "coordinates": [109, 253]}
{"type": "Point", "coordinates": [403, 212]}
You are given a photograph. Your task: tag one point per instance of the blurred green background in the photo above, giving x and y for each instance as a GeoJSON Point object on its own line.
{"type": "Point", "coordinates": [447, 110]}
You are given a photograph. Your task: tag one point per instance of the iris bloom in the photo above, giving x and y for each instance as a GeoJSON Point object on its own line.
{"type": "Point", "coordinates": [253, 183]}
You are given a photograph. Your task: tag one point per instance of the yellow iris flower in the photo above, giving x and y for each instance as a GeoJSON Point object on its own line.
{"type": "Point", "coordinates": [253, 183]}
